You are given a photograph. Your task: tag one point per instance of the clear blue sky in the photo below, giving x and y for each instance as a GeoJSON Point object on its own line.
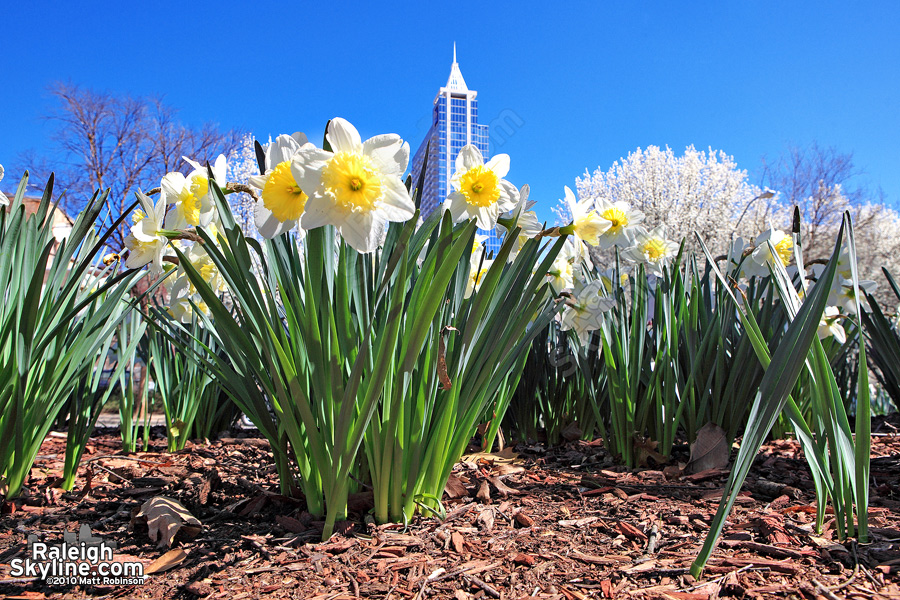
{"type": "Point", "coordinates": [588, 81]}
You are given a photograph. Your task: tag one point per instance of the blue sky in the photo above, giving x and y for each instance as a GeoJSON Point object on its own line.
{"type": "Point", "coordinates": [585, 83]}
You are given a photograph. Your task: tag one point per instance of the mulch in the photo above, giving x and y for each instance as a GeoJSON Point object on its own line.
{"type": "Point", "coordinates": [555, 523]}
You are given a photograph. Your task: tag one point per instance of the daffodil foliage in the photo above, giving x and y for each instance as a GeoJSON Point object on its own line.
{"type": "Point", "coordinates": [60, 306]}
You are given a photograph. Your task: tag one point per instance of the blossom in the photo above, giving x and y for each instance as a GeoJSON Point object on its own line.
{"type": "Point", "coordinates": [193, 205]}
{"type": "Point", "coordinates": [620, 221]}
{"type": "Point", "coordinates": [830, 325]}
{"type": "Point", "coordinates": [4, 201]}
{"type": "Point", "coordinates": [586, 225]}
{"type": "Point", "coordinates": [282, 201]}
{"type": "Point", "coordinates": [561, 273]}
{"type": "Point", "coordinates": [525, 219]}
{"type": "Point", "coordinates": [699, 191]}
{"type": "Point", "coordinates": [762, 255]}
{"type": "Point", "coordinates": [357, 187]}
{"type": "Point", "coordinates": [479, 189]}
{"type": "Point", "coordinates": [145, 243]}
{"type": "Point", "coordinates": [653, 249]}
{"type": "Point", "coordinates": [842, 294]}
{"type": "Point", "coordinates": [585, 308]}
{"type": "Point", "coordinates": [183, 299]}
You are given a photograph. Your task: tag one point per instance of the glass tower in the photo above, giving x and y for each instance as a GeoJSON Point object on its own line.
{"type": "Point", "coordinates": [454, 124]}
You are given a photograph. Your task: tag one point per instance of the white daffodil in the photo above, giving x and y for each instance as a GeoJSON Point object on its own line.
{"type": "Point", "coordinates": [761, 257]}
{"type": "Point", "coordinates": [525, 219]}
{"type": "Point", "coordinates": [477, 270]}
{"type": "Point", "coordinates": [586, 226]}
{"type": "Point", "coordinates": [620, 221]}
{"type": "Point", "coordinates": [193, 204]}
{"type": "Point", "coordinates": [653, 249]}
{"type": "Point", "coordinates": [282, 201]}
{"type": "Point", "coordinates": [830, 325]}
{"type": "Point", "coordinates": [561, 274]}
{"type": "Point", "coordinates": [203, 263]}
{"type": "Point", "coordinates": [736, 255]}
{"type": "Point", "coordinates": [181, 298]}
{"type": "Point", "coordinates": [584, 309]}
{"type": "Point", "coordinates": [4, 201]}
{"type": "Point", "coordinates": [357, 187]}
{"type": "Point", "coordinates": [479, 190]}
{"type": "Point", "coordinates": [843, 295]}
{"type": "Point", "coordinates": [145, 243]}
{"type": "Point", "coordinates": [568, 262]}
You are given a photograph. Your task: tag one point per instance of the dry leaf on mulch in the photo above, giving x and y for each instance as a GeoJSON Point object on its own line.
{"type": "Point", "coordinates": [166, 518]}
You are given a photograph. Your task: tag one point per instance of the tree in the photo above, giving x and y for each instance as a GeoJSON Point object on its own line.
{"type": "Point", "coordinates": [120, 143]}
{"type": "Point", "coordinates": [823, 182]}
{"type": "Point", "coordinates": [702, 192]}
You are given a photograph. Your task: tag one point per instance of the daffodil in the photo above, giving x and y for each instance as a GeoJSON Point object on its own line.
{"type": "Point", "coordinates": [4, 201]}
{"type": "Point", "coordinates": [568, 262]}
{"type": "Point", "coordinates": [830, 325]}
{"type": "Point", "coordinates": [762, 256]}
{"type": "Point", "coordinates": [479, 190]}
{"type": "Point", "coordinates": [585, 308]}
{"type": "Point", "coordinates": [621, 222]}
{"type": "Point", "coordinates": [282, 201]}
{"type": "Point", "coordinates": [193, 205]}
{"type": "Point", "coordinates": [357, 187]}
{"type": "Point", "coordinates": [842, 294]}
{"type": "Point", "coordinates": [145, 243]}
{"type": "Point", "coordinates": [182, 301]}
{"type": "Point", "coordinates": [586, 226]}
{"type": "Point", "coordinates": [523, 218]}
{"type": "Point", "coordinates": [653, 249]}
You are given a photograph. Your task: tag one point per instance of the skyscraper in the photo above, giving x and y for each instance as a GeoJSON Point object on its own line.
{"type": "Point", "coordinates": [454, 125]}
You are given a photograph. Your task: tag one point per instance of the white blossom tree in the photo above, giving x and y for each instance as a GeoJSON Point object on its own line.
{"type": "Point", "coordinates": [702, 192]}
{"type": "Point", "coordinates": [241, 166]}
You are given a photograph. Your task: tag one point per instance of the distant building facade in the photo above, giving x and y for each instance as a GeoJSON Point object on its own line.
{"type": "Point", "coordinates": [454, 125]}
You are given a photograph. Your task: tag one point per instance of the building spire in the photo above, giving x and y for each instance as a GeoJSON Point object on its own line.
{"type": "Point", "coordinates": [456, 83]}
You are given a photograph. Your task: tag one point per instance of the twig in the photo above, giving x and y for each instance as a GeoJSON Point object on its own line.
{"type": "Point", "coordinates": [652, 539]}
{"type": "Point", "coordinates": [488, 589]}
{"type": "Point", "coordinates": [825, 591]}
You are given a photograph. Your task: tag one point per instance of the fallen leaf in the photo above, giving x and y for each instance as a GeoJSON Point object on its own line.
{"type": "Point", "coordinates": [169, 560]}
{"type": "Point", "coordinates": [486, 519]}
{"type": "Point", "coordinates": [484, 492]}
{"type": "Point", "coordinates": [646, 449]}
{"type": "Point", "coordinates": [710, 450]}
{"type": "Point", "coordinates": [455, 488]}
{"type": "Point", "coordinates": [166, 518]}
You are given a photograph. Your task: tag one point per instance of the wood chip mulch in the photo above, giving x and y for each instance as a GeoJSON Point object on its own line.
{"type": "Point", "coordinates": [561, 523]}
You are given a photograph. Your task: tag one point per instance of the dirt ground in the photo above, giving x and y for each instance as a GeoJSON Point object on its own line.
{"type": "Point", "coordinates": [562, 523]}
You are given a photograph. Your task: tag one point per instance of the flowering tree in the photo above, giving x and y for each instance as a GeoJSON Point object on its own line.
{"type": "Point", "coordinates": [242, 166]}
{"type": "Point", "coordinates": [701, 192]}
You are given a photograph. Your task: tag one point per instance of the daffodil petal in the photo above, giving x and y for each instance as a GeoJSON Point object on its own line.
{"type": "Point", "coordinates": [266, 223]}
{"type": "Point", "coordinates": [468, 158]}
{"type": "Point", "coordinates": [396, 204]}
{"type": "Point", "coordinates": [499, 165]}
{"type": "Point", "coordinates": [364, 231]}
{"type": "Point", "coordinates": [306, 167]}
{"type": "Point", "coordinates": [389, 153]}
{"type": "Point", "coordinates": [343, 136]}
